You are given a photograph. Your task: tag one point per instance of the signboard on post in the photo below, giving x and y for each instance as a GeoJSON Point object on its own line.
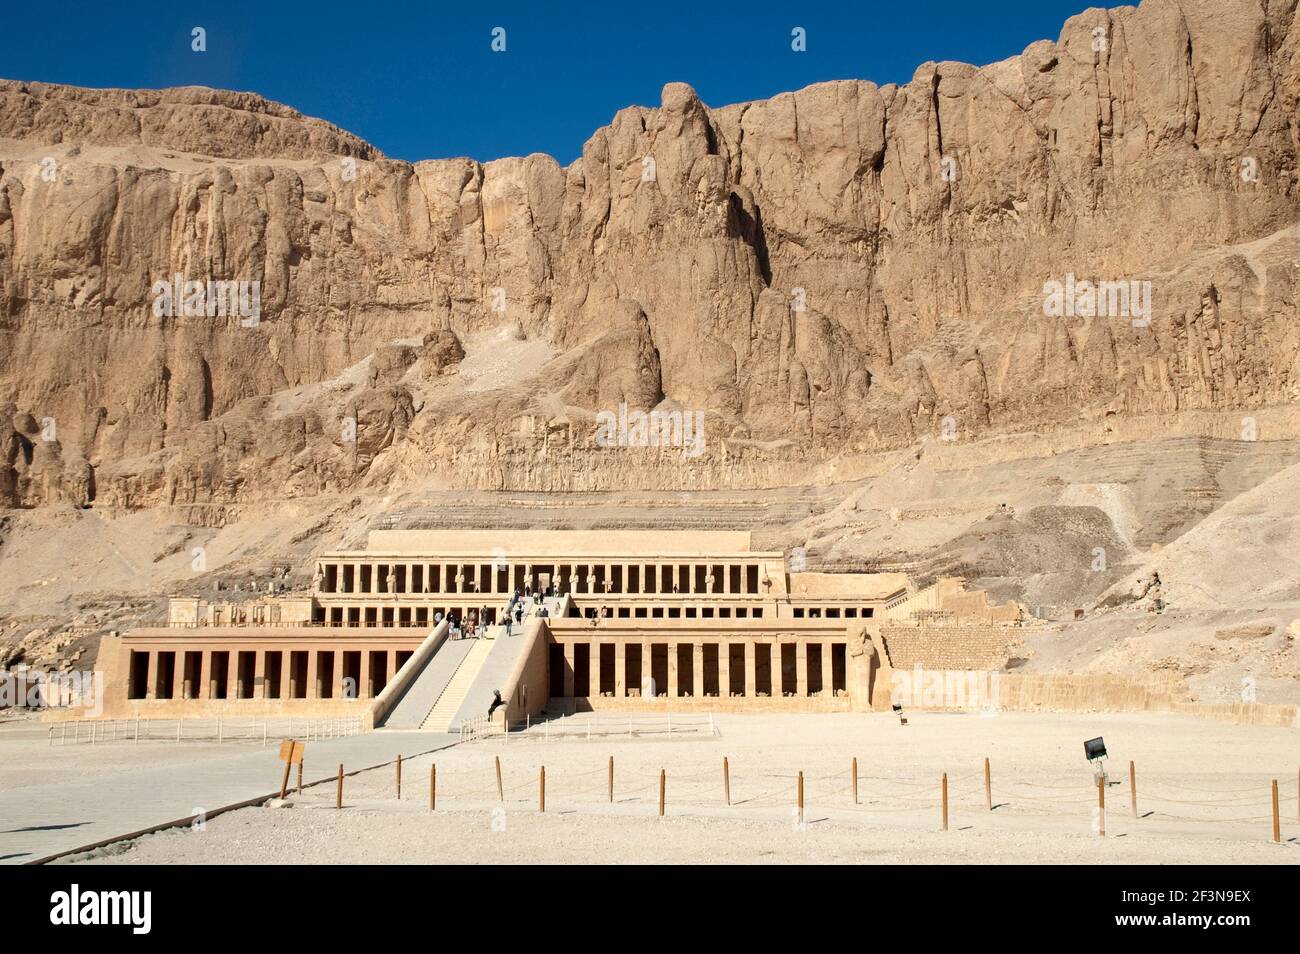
{"type": "Point", "coordinates": [290, 753]}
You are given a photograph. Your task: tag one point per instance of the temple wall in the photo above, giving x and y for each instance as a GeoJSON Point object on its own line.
{"type": "Point", "coordinates": [949, 646]}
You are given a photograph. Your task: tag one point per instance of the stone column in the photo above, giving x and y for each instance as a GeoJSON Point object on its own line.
{"type": "Point", "coordinates": [232, 674]}
{"type": "Point", "coordinates": [751, 669]}
{"type": "Point", "coordinates": [620, 669]}
{"type": "Point", "coordinates": [151, 676]}
{"type": "Point", "coordinates": [778, 687]}
{"type": "Point", "coordinates": [697, 666]}
{"type": "Point", "coordinates": [801, 667]}
{"type": "Point", "coordinates": [647, 669]}
{"type": "Point", "coordinates": [392, 665]}
{"type": "Point", "coordinates": [178, 675]}
{"type": "Point", "coordinates": [828, 672]}
{"type": "Point", "coordinates": [313, 687]}
{"type": "Point", "coordinates": [724, 669]}
{"type": "Point", "coordinates": [339, 660]}
{"type": "Point", "coordinates": [205, 674]}
{"type": "Point", "coordinates": [568, 670]}
{"type": "Point", "coordinates": [366, 682]}
{"type": "Point", "coordinates": [690, 578]}
{"type": "Point", "coordinates": [672, 671]}
{"type": "Point", "coordinates": [259, 674]}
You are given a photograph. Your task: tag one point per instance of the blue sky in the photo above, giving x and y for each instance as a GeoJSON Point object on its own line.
{"type": "Point", "coordinates": [420, 81]}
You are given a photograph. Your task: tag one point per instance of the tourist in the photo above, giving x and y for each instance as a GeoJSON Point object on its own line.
{"type": "Point", "coordinates": [497, 702]}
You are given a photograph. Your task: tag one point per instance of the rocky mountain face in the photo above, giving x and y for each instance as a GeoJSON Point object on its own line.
{"type": "Point", "coordinates": [827, 274]}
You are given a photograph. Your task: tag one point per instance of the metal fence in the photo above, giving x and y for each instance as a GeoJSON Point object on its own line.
{"type": "Point", "coordinates": [607, 724]}
{"type": "Point", "coordinates": [480, 727]}
{"type": "Point", "coordinates": [221, 729]}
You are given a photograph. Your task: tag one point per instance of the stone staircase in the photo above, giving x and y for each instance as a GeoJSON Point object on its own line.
{"type": "Point", "coordinates": [449, 702]}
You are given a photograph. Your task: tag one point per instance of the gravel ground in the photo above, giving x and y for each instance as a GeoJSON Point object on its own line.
{"type": "Point", "coordinates": [1203, 792]}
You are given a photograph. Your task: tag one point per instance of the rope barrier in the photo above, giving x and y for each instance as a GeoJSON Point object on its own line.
{"type": "Point", "coordinates": [756, 795]}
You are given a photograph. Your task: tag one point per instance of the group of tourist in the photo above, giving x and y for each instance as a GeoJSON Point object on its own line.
{"type": "Point", "coordinates": [474, 626]}
{"type": "Point", "coordinates": [476, 622]}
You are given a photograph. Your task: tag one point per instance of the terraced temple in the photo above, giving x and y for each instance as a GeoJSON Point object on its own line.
{"type": "Point", "coordinates": [586, 619]}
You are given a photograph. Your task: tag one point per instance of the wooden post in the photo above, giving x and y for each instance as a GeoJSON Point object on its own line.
{"type": "Point", "coordinates": [855, 780]}
{"type": "Point", "coordinates": [1133, 787]}
{"type": "Point", "coordinates": [1277, 825]}
{"type": "Point", "coordinates": [500, 793]}
{"type": "Point", "coordinates": [541, 790]}
{"type": "Point", "coordinates": [284, 782]}
{"type": "Point", "coordinates": [661, 793]}
{"type": "Point", "coordinates": [988, 785]}
{"type": "Point", "coordinates": [726, 780]}
{"type": "Point", "coordinates": [944, 786]}
{"type": "Point", "coordinates": [611, 778]}
{"type": "Point", "coordinates": [338, 798]}
{"type": "Point", "coordinates": [1101, 805]}
{"type": "Point", "coordinates": [399, 777]}
{"type": "Point", "coordinates": [433, 786]}
{"type": "Point", "coordinates": [801, 798]}
{"type": "Point", "coordinates": [300, 778]}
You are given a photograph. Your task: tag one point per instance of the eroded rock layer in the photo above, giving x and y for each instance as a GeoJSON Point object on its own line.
{"type": "Point", "coordinates": [825, 274]}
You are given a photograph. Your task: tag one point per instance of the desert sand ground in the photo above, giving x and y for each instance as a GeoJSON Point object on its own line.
{"type": "Point", "coordinates": [1203, 797]}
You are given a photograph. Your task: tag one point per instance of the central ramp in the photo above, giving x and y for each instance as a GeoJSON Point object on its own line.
{"type": "Point", "coordinates": [443, 712]}
{"type": "Point", "coordinates": [496, 668]}
{"type": "Point", "coordinates": [414, 705]}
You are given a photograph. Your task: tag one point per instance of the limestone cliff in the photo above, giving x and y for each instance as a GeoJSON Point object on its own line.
{"type": "Point", "coordinates": [828, 273]}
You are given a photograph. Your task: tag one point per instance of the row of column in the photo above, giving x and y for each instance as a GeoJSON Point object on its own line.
{"type": "Point", "coordinates": [371, 615]}
{"type": "Point", "coordinates": [726, 579]}
{"type": "Point", "coordinates": [384, 579]}
{"type": "Point", "coordinates": [726, 686]}
{"type": "Point", "coordinates": [208, 680]}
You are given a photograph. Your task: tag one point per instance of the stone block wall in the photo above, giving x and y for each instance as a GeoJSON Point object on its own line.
{"type": "Point", "coordinates": [949, 646]}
